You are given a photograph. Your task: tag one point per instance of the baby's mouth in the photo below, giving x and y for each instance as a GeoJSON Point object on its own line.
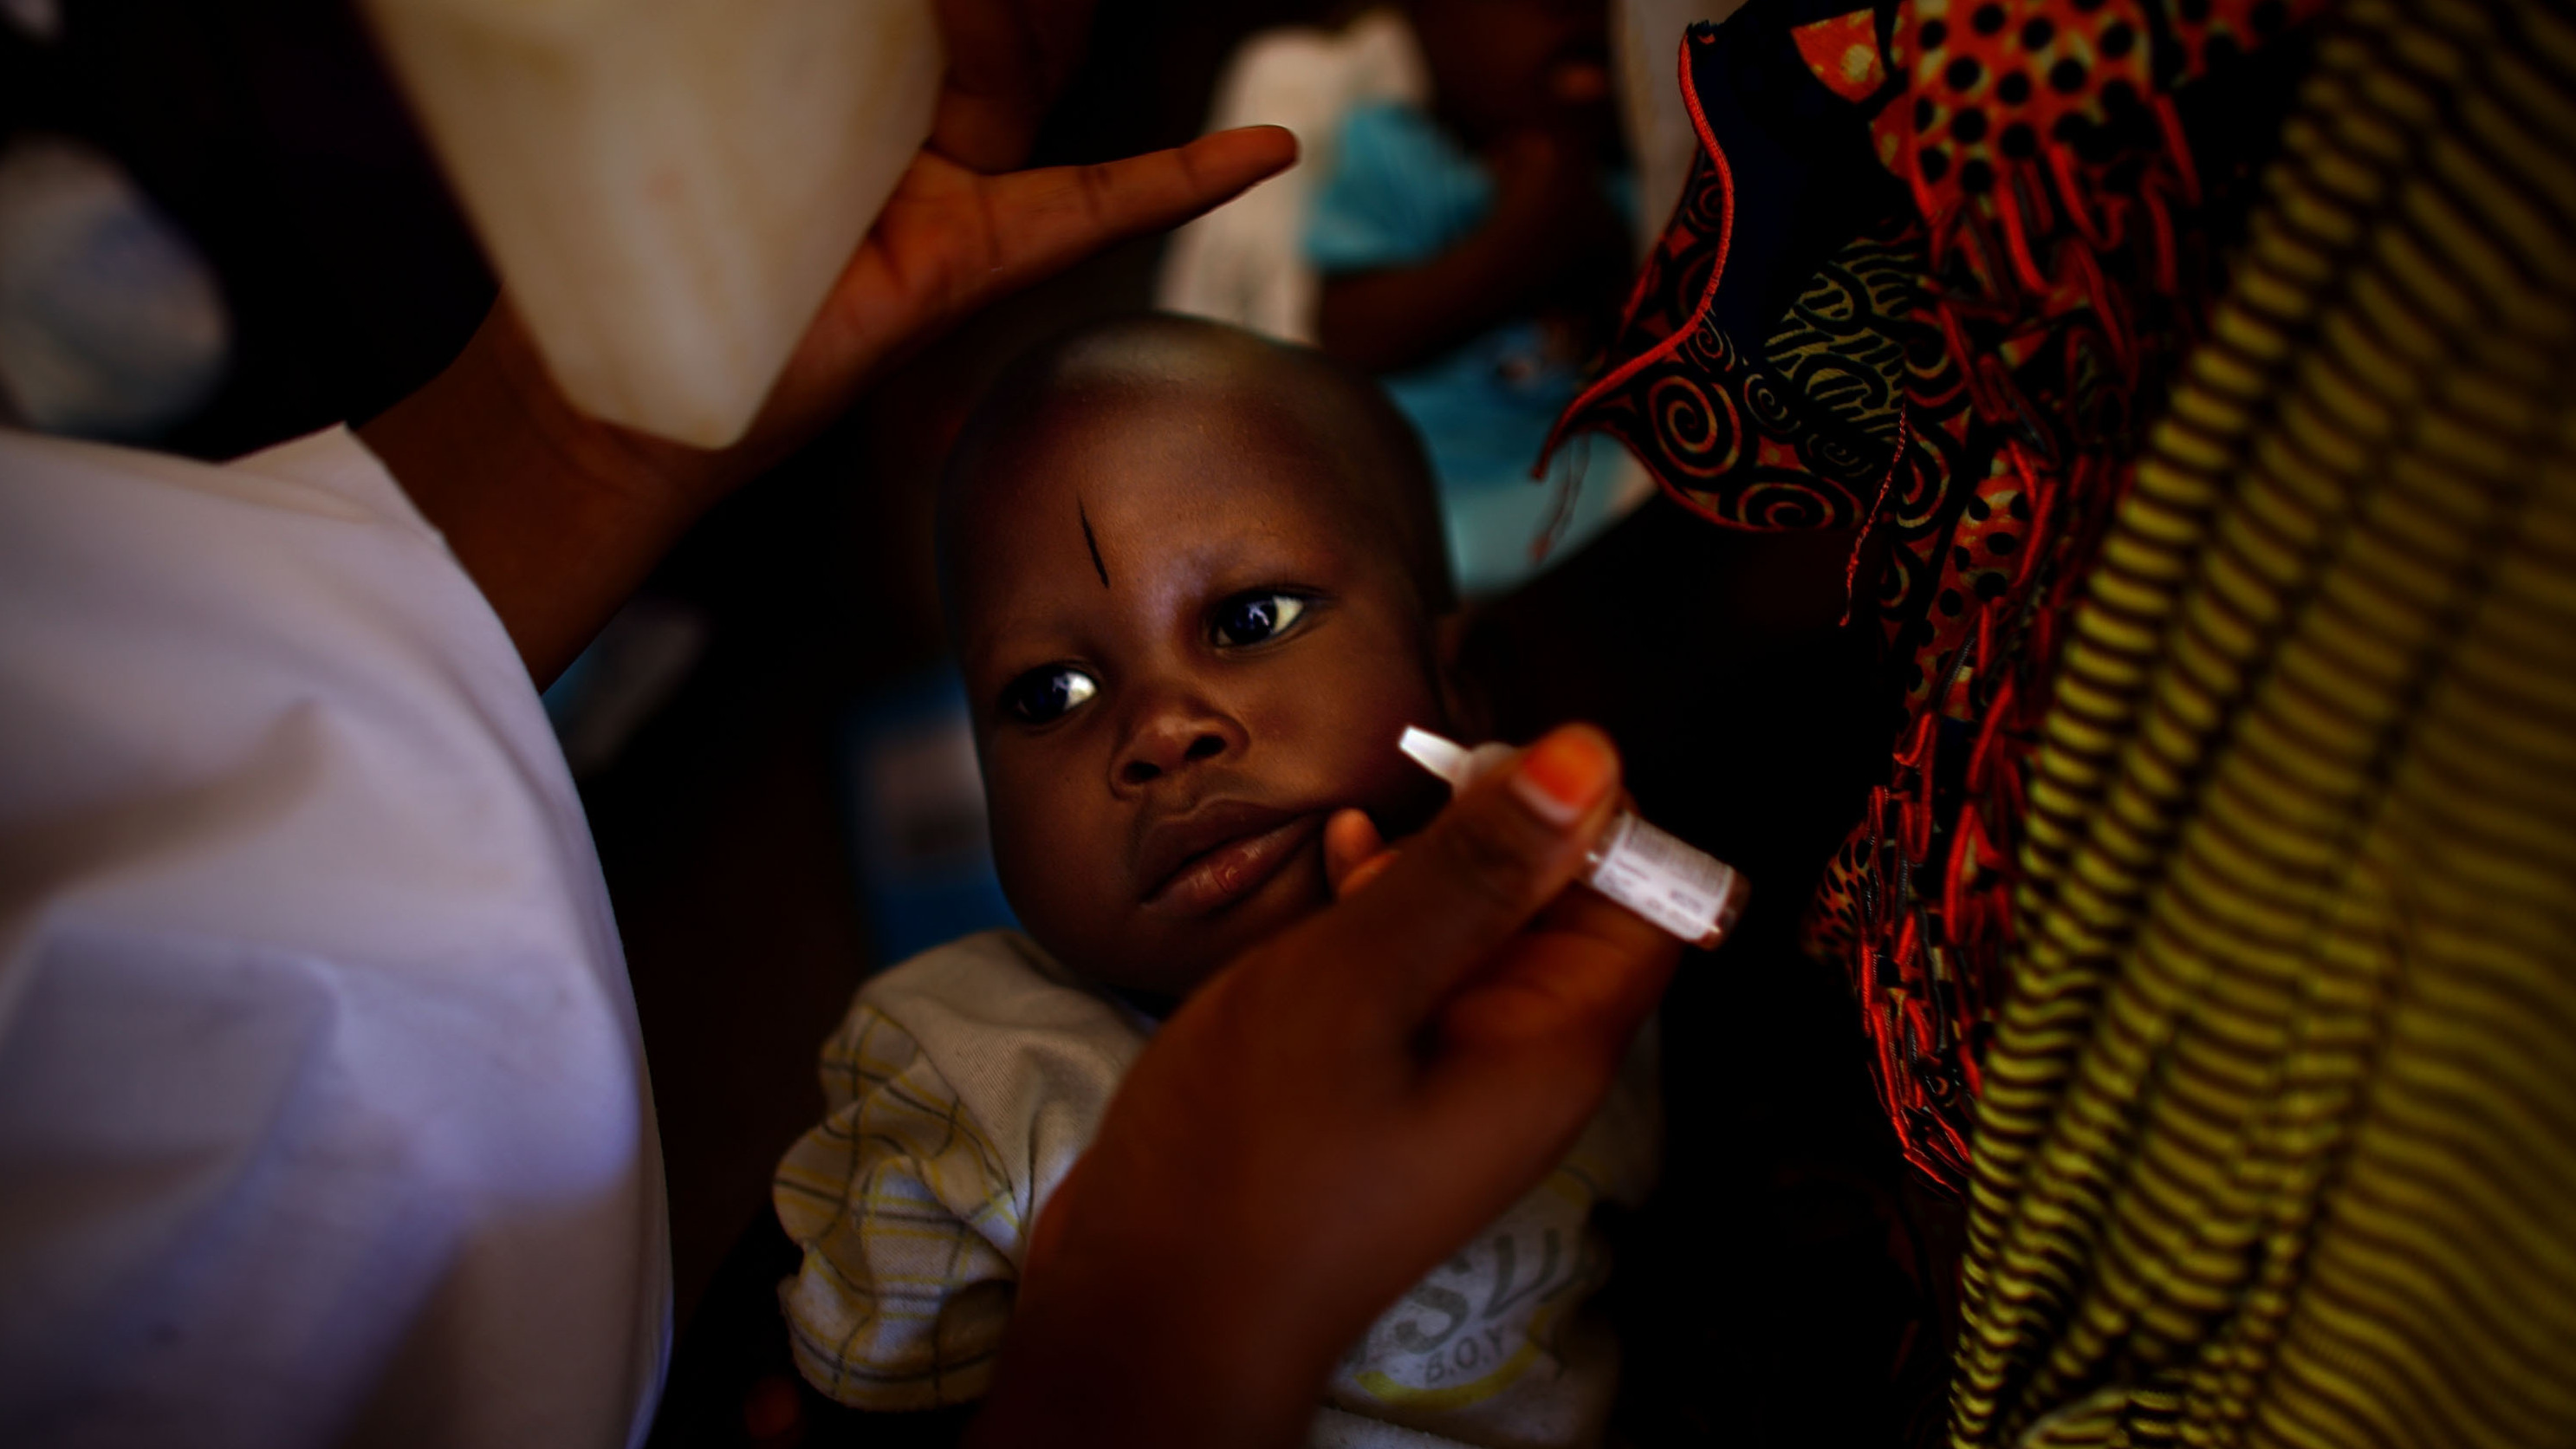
{"type": "Point", "coordinates": [1222, 854]}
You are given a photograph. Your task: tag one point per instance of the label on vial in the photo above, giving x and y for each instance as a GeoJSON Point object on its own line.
{"type": "Point", "coordinates": [1685, 891]}
{"type": "Point", "coordinates": [1688, 892]}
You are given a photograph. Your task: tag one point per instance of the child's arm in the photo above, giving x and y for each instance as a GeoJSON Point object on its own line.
{"type": "Point", "coordinates": [903, 1216]}
{"type": "Point", "coordinates": [1552, 231]}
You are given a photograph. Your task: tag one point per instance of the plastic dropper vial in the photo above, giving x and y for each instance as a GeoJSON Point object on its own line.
{"type": "Point", "coordinates": [1676, 887]}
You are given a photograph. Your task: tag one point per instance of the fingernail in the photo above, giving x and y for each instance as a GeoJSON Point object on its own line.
{"type": "Point", "coordinates": [1564, 774]}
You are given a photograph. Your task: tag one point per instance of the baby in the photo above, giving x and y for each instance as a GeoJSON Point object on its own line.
{"type": "Point", "coordinates": [1473, 251]}
{"type": "Point", "coordinates": [1192, 575]}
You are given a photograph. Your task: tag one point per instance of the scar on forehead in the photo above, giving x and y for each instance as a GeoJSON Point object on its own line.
{"type": "Point", "coordinates": [1091, 543]}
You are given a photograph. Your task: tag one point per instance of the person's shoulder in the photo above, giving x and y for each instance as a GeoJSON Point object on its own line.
{"type": "Point", "coordinates": [284, 642]}
{"type": "Point", "coordinates": [326, 475]}
{"type": "Point", "coordinates": [987, 965]}
{"type": "Point", "coordinates": [1030, 1055]}
{"type": "Point", "coordinates": [994, 986]}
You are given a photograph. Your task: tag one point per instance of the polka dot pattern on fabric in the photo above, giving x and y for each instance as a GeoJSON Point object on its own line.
{"type": "Point", "coordinates": [2021, 66]}
{"type": "Point", "coordinates": [2054, 254]}
{"type": "Point", "coordinates": [1843, 53]}
{"type": "Point", "coordinates": [2053, 182]}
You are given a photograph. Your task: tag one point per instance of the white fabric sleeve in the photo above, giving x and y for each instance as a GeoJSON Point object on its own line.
{"type": "Point", "coordinates": [322, 1112]}
{"type": "Point", "coordinates": [910, 1229]}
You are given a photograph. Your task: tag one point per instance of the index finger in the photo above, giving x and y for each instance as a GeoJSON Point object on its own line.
{"type": "Point", "coordinates": [1508, 845]}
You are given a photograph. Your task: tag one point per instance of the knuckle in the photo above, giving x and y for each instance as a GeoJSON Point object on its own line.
{"type": "Point", "coordinates": [1491, 856]}
{"type": "Point", "coordinates": [1099, 186]}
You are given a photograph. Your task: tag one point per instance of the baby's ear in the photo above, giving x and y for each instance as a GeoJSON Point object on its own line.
{"type": "Point", "coordinates": [1462, 694]}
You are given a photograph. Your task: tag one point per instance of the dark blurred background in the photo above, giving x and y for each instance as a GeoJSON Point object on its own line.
{"type": "Point", "coordinates": [267, 131]}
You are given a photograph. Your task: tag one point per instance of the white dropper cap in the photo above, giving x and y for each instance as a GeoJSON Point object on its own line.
{"type": "Point", "coordinates": [1684, 890]}
{"type": "Point", "coordinates": [1450, 760]}
{"type": "Point", "coordinates": [1442, 757]}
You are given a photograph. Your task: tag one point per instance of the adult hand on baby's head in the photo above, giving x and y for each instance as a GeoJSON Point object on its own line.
{"type": "Point", "coordinates": [1328, 1118]}
{"type": "Point", "coordinates": [559, 516]}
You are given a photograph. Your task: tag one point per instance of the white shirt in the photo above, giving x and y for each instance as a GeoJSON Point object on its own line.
{"type": "Point", "coordinates": [961, 1089]}
{"type": "Point", "coordinates": [322, 1105]}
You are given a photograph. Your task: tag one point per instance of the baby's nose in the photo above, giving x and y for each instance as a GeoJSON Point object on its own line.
{"type": "Point", "coordinates": [1172, 739]}
{"type": "Point", "coordinates": [1141, 768]}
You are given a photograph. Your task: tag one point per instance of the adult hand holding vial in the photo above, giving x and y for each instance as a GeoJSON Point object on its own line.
{"type": "Point", "coordinates": [1682, 890]}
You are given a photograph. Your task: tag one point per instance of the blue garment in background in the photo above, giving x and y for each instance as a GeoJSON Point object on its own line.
{"type": "Point", "coordinates": [917, 821]}
{"type": "Point", "coordinates": [1403, 192]}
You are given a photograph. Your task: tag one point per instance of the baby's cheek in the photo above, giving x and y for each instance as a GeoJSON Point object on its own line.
{"type": "Point", "coordinates": [1379, 779]}
{"type": "Point", "coordinates": [1348, 703]}
{"type": "Point", "coordinates": [1049, 873]}
{"type": "Point", "coordinates": [1369, 720]}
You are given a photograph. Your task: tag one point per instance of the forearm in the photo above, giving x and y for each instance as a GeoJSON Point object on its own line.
{"type": "Point", "coordinates": [1388, 320]}
{"type": "Point", "coordinates": [556, 517]}
{"type": "Point", "coordinates": [1132, 1364]}
{"type": "Point", "coordinates": [1183, 1317]}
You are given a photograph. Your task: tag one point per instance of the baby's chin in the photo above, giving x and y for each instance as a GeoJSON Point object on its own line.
{"type": "Point", "coordinates": [1179, 956]}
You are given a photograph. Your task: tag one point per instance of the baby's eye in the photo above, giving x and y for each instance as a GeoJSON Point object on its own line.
{"type": "Point", "coordinates": [1253, 618]}
{"type": "Point", "coordinates": [1043, 696]}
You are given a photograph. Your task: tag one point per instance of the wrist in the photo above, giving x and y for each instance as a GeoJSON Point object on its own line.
{"type": "Point", "coordinates": [555, 515]}
{"type": "Point", "coordinates": [619, 468]}
{"type": "Point", "coordinates": [1142, 1349]}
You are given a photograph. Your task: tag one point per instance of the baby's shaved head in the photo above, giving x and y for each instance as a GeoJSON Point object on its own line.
{"type": "Point", "coordinates": [1268, 395]}
{"type": "Point", "coordinates": [1191, 577]}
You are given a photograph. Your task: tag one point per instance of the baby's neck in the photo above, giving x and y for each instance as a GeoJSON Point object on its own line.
{"type": "Point", "coordinates": [1157, 1004]}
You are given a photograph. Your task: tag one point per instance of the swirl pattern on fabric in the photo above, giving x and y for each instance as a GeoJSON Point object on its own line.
{"type": "Point", "coordinates": [1965, 378]}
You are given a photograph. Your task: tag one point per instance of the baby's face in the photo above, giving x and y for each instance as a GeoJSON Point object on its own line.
{"type": "Point", "coordinates": [1186, 645]}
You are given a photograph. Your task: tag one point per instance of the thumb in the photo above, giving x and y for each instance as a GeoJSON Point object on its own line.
{"type": "Point", "coordinates": [1351, 842]}
{"type": "Point", "coordinates": [1510, 843]}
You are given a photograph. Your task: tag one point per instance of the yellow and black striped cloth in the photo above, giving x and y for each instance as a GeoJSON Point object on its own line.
{"type": "Point", "coordinates": [2278, 1142]}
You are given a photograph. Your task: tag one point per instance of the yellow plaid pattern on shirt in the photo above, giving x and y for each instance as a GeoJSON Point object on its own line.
{"type": "Point", "coordinates": [963, 1087]}
{"type": "Point", "coordinates": [910, 1228]}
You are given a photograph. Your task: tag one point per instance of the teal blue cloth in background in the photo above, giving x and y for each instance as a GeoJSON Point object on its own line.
{"type": "Point", "coordinates": [1403, 192]}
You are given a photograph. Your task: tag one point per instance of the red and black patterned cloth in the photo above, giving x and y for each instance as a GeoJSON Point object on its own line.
{"type": "Point", "coordinates": [1930, 279]}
